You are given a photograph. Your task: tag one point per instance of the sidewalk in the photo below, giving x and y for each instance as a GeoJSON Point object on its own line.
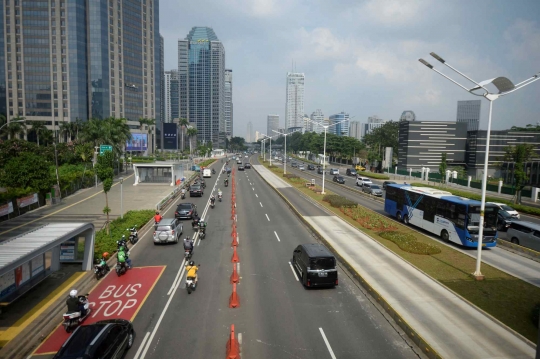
{"type": "Point", "coordinates": [434, 317]}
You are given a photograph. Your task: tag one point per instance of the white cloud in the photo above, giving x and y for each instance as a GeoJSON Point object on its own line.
{"type": "Point", "coordinates": [256, 8]}
{"type": "Point", "coordinates": [393, 12]}
{"type": "Point", "coordinates": [523, 38]}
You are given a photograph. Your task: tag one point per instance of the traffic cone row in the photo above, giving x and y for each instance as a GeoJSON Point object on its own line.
{"type": "Point", "coordinates": [233, 348]}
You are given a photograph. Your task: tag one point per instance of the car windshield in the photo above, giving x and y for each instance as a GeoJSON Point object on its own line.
{"type": "Point", "coordinates": [507, 208]}
{"type": "Point", "coordinates": [196, 187]}
{"type": "Point", "coordinates": [80, 341]}
{"type": "Point", "coordinates": [505, 214]}
{"type": "Point", "coordinates": [490, 219]}
{"type": "Point", "coordinates": [163, 228]}
{"type": "Point", "coordinates": [340, 178]}
{"type": "Point", "coordinates": [375, 187]}
{"type": "Point", "coordinates": [185, 206]}
{"type": "Point", "coordinates": [322, 263]}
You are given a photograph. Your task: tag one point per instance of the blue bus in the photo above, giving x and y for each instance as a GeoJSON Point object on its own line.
{"type": "Point", "coordinates": [454, 219]}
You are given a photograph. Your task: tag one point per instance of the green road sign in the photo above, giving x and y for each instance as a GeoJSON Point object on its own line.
{"type": "Point", "coordinates": [105, 148]}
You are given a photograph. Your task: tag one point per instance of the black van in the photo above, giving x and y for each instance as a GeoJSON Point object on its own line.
{"type": "Point", "coordinates": [315, 264]}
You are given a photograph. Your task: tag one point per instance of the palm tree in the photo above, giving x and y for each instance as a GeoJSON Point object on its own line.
{"type": "Point", "coordinates": [92, 132]}
{"type": "Point", "coordinates": [66, 130]}
{"type": "Point", "coordinates": [16, 129]}
{"type": "Point", "coordinates": [191, 132]}
{"type": "Point", "coordinates": [78, 125]}
{"type": "Point", "coordinates": [3, 125]}
{"type": "Point", "coordinates": [39, 128]}
{"type": "Point", "coordinates": [183, 125]}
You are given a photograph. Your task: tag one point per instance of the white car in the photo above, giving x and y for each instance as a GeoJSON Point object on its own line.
{"type": "Point", "coordinates": [507, 209]}
{"type": "Point", "coordinates": [207, 173]}
{"type": "Point", "coordinates": [361, 180]}
{"type": "Point", "coordinates": [334, 171]}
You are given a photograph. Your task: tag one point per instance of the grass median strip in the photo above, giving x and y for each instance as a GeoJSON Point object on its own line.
{"type": "Point", "coordinates": [510, 300]}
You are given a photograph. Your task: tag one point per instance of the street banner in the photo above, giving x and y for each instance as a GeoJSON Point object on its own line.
{"type": "Point", "coordinates": [138, 142]}
{"type": "Point", "coordinates": [6, 209]}
{"type": "Point", "coordinates": [28, 200]}
{"type": "Point", "coordinates": [170, 136]}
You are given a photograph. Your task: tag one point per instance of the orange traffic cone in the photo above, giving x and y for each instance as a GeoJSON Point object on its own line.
{"type": "Point", "coordinates": [234, 276]}
{"type": "Point", "coordinates": [233, 348]}
{"type": "Point", "coordinates": [233, 233]}
{"type": "Point", "coordinates": [235, 258]}
{"type": "Point", "coordinates": [234, 301]}
{"type": "Point", "coordinates": [234, 240]}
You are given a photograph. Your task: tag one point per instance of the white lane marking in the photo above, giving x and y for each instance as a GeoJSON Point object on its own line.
{"type": "Point", "coordinates": [277, 236]}
{"type": "Point", "coordinates": [327, 344]}
{"type": "Point", "coordinates": [260, 204]}
{"type": "Point", "coordinates": [237, 238]}
{"type": "Point", "coordinates": [240, 344]}
{"type": "Point", "coordinates": [268, 218]}
{"type": "Point", "coordinates": [238, 268]}
{"type": "Point", "coordinates": [256, 195]}
{"type": "Point", "coordinates": [293, 272]}
{"type": "Point", "coordinates": [178, 276]}
{"type": "Point", "coordinates": [253, 188]}
{"type": "Point", "coordinates": [142, 345]}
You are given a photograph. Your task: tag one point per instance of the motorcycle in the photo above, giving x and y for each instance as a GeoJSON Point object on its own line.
{"type": "Point", "coordinates": [226, 183]}
{"type": "Point", "coordinates": [195, 223]}
{"type": "Point", "coordinates": [187, 254]}
{"type": "Point", "coordinates": [133, 235]}
{"type": "Point", "coordinates": [202, 232]}
{"type": "Point", "coordinates": [183, 195]}
{"type": "Point", "coordinates": [121, 268]}
{"type": "Point", "coordinates": [213, 171]}
{"type": "Point", "coordinates": [101, 269]}
{"type": "Point", "coordinates": [213, 203]}
{"type": "Point", "coordinates": [73, 320]}
{"type": "Point", "coordinates": [219, 197]}
{"type": "Point", "coordinates": [190, 284]}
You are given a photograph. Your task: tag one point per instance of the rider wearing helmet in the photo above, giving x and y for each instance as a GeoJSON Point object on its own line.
{"type": "Point", "coordinates": [74, 304]}
{"type": "Point", "coordinates": [226, 181]}
{"type": "Point", "coordinates": [157, 217]}
{"type": "Point", "coordinates": [192, 270]}
{"type": "Point", "coordinates": [188, 244]}
{"type": "Point", "coordinates": [123, 258]}
{"type": "Point", "coordinates": [212, 199]}
{"type": "Point", "coordinates": [103, 260]}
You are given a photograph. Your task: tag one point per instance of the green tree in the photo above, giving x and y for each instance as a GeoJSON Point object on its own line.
{"type": "Point", "coordinates": [27, 170]}
{"type": "Point", "coordinates": [105, 173]}
{"type": "Point", "coordinates": [16, 129]}
{"type": "Point", "coordinates": [183, 122]}
{"type": "Point", "coordinates": [39, 128]}
{"type": "Point", "coordinates": [191, 132]}
{"type": "Point", "coordinates": [442, 167]}
{"type": "Point", "coordinates": [385, 136]}
{"type": "Point", "coordinates": [519, 154]}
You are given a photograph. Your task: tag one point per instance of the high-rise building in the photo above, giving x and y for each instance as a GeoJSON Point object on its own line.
{"type": "Point", "coordinates": [201, 75]}
{"type": "Point", "coordinates": [355, 130]}
{"type": "Point", "coordinates": [469, 112]}
{"type": "Point", "coordinates": [294, 106]}
{"type": "Point", "coordinates": [318, 117]}
{"type": "Point", "coordinates": [258, 136]}
{"type": "Point", "coordinates": [81, 58]}
{"type": "Point", "coordinates": [228, 103]}
{"type": "Point", "coordinates": [161, 120]}
{"type": "Point", "coordinates": [407, 116]}
{"type": "Point", "coordinates": [249, 133]}
{"type": "Point", "coordinates": [373, 123]}
{"type": "Point", "coordinates": [272, 124]}
{"type": "Point", "coordinates": [342, 127]}
{"type": "Point", "coordinates": [171, 96]}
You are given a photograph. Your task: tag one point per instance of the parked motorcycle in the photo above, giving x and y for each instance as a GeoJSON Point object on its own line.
{"type": "Point", "coordinates": [73, 320]}
{"type": "Point", "coordinates": [133, 235]}
{"type": "Point", "coordinates": [101, 269]}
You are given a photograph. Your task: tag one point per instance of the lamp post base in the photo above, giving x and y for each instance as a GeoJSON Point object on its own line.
{"type": "Point", "coordinates": [478, 276]}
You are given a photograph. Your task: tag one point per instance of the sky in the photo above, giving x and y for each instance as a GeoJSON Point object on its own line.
{"type": "Point", "coordinates": [361, 57]}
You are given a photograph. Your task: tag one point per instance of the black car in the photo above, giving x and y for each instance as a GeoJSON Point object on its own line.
{"type": "Point", "coordinates": [315, 264]}
{"type": "Point", "coordinates": [104, 339]}
{"type": "Point", "coordinates": [310, 167]}
{"type": "Point", "coordinates": [247, 165]}
{"type": "Point", "coordinates": [319, 170]}
{"type": "Point", "coordinates": [185, 210]}
{"type": "Point", "coordinates": [339, 179]}
{"type": "Point", "coordinates": [385, 183]}
{"type": "Point", "coordinates": [241, 168]}
{"type": "Point", "coordinates": [351, 172]}
{"type": "Point", "coordinates": [195, 190]}
{"type": "Point", "coordinates": [504, 220]}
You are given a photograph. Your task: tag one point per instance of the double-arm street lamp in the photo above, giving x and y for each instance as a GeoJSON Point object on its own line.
{"type": "Point", "coordinates": [285, 156]}
{"type": "Point", "coordinates": [324, 146]}
{"type": "Point", "coordinates": [504, 87]}
{"type": "Point", "coordinates": [269, 138]}
{"type": "Point", "coordinates": [7, 123]}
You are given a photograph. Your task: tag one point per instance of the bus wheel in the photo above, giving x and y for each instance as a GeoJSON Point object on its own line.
{"type": "Point", "coordinates": [515, 240]}
{"type": "Point", "coordinates": [406, 219]}
{"type": "Point", "coordinates": [399, 217]}
{"type": "Point", "coordinates": [445, 236]}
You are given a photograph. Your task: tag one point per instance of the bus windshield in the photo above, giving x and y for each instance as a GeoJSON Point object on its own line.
{"type": "Point", "coordinates": [490, 219]}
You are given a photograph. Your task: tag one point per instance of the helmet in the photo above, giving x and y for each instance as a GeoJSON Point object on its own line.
{"type": "Point", "coordinates": [123, 237]}
{"type": "Point", "coordinates": [73, 293]}
{"type": "Point", "coordinates": [157, 212]}
{"type": "Point", "coordinates": [191, 263]}
{"type": "Point", "coordinates": [105, 255]}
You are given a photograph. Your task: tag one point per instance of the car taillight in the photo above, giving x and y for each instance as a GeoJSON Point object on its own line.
{"type": "Point", "coordinates": [175, 213]}
{"type": "Point", "coordinates": [154, 233]}
{"type": "Point", "coordinates": [337, 282]}
{"type": "Point", "coordinates": [309, 283]}
{"type": "Point", "coordinates": [173, 231]}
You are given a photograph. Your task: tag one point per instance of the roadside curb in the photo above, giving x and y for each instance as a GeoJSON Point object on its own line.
{"type": "Point", "coordinates": [37, 332]}
{"type": "Point", "coordinates": [424, 346]}
{"type": "Point", "coordinates": [528, 253]}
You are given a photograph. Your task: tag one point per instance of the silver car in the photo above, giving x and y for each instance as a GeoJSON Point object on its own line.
{"type": "Point", "coordinates": [301, 168]}
{"type": "Point", "coordinates": [372, 189]}
{"type": "Point", "coordinates": [526, 234]}
{"type": "Point", "coordinates": [168, 230]}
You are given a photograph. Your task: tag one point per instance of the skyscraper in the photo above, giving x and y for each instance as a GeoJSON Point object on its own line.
{"type": "Point", "coordinates": [272, 123]}
{"type": "Point", "coordinates": [201, 74]}
{"type": "Point", "coordinates": [83, 58]}
{"type": "Point", "coordinates": [469, 112]}
{"type": "Point", "coordinates": [228, 103]}
{"type": "Point", "coordinates": [373, 123]}
{"type": "Point", "coordinates": [318, 117]}
{"type": "Point", "coordinates": [341, 129]}
{"type": "Point", "coordinates": [355, 130]}
{"type": "Point", "coordinates": [249, 133]}
{"type": "Point", "coordinates": [171, 96]}
{"type": "Point", "coordinates": [294, 107]}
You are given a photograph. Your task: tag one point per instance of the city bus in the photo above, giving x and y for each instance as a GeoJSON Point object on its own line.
{"type": "Point", "coordinates": [455, 219]}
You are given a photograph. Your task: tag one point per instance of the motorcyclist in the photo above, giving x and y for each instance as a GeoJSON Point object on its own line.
{"type": "Point", "coordinates": [213, 200]}
{"type": "Point", "coordinates": [192, 270]}
{"type": "Point", "coordinates": [188, 244]}
{"type": "Point", "coordinates": [195, 220]}
{"type": "Point", "coordinates": [183, 191]}
{"type": "Point", "coordinates": [226, 181]}
{"type": "Point", "coordinates": [202, 225]}
{"type": "Point", "coordinates": [219, 193]}
{"type": "Point", "coordinates": [122, 243]}
{"type": "Point", "coordinates": [103, 261]}
{"type": "Point", "coordinates": [157, 217]}
{"type": "Point", "coordinates": [74, 303]}
{"type": "Point", "coordinates": [123, 258]}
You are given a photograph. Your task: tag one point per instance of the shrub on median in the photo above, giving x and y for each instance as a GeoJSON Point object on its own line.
{"type": "Point", "coordinates": [206, 163]}
{"type": "Point", "coordinates": [339, 201]}
{"type": "Point", "coordinates": [372, 175]}
{"type": "Point", "coordinates": [408, 243]}
{"type": "Point", "coordinates": [105, 243]}
{"type": "Point", "coordinates": [369, 219]}
{"type": "Point", "coordinates": [290, 176]}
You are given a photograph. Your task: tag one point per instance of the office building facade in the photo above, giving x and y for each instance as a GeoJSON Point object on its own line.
{"type": "Point", "coordinates": [249, 132]}
{"type": "Point", "coordinates": [355, 130]}
{"type": "Point", "coordinates": [71, 60]}
{"type": "Point", "coordinates": [342, 127]}
{"type": "Point", "coordinates": [469, 112]}
{"type": "Point", "coordinates": [272, 124]}
{"type": "Point", "coordinates": [229, 104]}
{"type": "Point", "coordinates": [201, 75]}
{"type": "Point", "coordinates": [171, 96]}
{"type": "Point", "coordinates": [372, 123]}
{"type": "Point", "coordinates": [294, 104]}
{"type": "Point", "coordinates": [318, 116]}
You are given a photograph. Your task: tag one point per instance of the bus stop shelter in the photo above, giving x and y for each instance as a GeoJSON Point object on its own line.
{"type": "Point", "coordinates": [165, 173]}
{"type": "Point", "coordinates": [29, 258]}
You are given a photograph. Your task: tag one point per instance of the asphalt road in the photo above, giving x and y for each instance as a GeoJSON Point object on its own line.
{"type": "Point", "coordinates": [509, 262]}
{"type": "Point", "coordinates": [277, 317]}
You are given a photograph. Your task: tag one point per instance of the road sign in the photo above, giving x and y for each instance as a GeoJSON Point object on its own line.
{"type": "Point", "coordinates": [104, 148]}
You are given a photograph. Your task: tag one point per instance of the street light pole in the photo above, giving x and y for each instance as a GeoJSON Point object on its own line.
{"type": "Point", "coordinates": [7, 123]}
{"type": "Point", "coordinates": [269, 138]}
{"type": "Point", "coordinates": [504, 86]}
{"type": "Point", "coordinates": [121, 198]}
